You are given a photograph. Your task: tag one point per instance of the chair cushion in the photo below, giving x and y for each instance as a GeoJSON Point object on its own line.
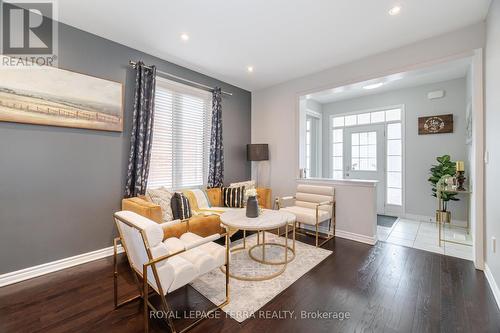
{"type": "Point", "coordinates": [216, 251]}
{"type": "Point", "coordinates": [203, 262]}
{"type": "Point", "coordinates": [173, 245]}
{"type": "Point", "coordinates": [204, 258]}
{"type": "Point", "coordinates": [184, 272]}
{"type": "Point", "coordinates": [307, 215]}
{"type": "Point", "coordinates": [315, 189]}
{"type": "Point", "coordinates": [153, 230]}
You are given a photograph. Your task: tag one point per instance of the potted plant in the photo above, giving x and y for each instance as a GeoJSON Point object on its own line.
{"type": "Point", "coordinates": [440, 172]}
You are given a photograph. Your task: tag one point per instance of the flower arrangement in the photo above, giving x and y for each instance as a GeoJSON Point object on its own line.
{"type": "Point", "coordinates": [251, 192]}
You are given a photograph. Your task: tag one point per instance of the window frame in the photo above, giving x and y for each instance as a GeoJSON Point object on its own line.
{"type": "Point", "coordinates": [390, 208]}
{"type": "Point", "coordinates": [178, 155]}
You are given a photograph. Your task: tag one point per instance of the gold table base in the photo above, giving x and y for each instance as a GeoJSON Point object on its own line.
{"type": "Point", "coordinates": [262, 260]}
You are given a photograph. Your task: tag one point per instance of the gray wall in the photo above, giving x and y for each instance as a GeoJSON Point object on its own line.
{"type": "Point", "coordinates": [60, 186]}
{"type": "Point", "coordinates": [421, 150]}
{"type": "Point", "coordinates": [492, 174]}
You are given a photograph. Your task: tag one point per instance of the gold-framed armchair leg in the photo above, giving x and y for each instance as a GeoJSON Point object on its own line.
{"type": "Point", "coordinates": [317, 234]}
{"type": "Point", "coordinates": [115, 278]}
{"type": "Point", "coordinates": [145, 292]}
{"type": "Point", "coordinates": [165, 305]}
{"type": "Point", "coordinates": [334, 218]}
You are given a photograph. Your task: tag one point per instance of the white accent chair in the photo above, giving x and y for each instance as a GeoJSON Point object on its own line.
{"type": "Point", "coordinates": [313, 206]}
{"type": "Point", "coordinates": [165, 265]}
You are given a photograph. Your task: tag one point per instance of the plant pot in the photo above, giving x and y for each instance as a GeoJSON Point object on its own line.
{"type": "Point", "coordinates": [443, 216]}
{"type": "Point", "coordinates": [252, 207]}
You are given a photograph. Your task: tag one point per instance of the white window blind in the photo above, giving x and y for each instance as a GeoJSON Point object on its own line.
{"type": "Point", "coordinates": [181, 136]}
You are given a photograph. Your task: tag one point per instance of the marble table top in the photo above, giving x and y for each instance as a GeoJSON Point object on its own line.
{"type": "Point", "coordinates": [267, 220]}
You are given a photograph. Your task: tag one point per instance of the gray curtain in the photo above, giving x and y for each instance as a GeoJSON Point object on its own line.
{"type": "Point", "coordinates": [142, 130]}
{"type": "Point", "coordinates": [216, 166]}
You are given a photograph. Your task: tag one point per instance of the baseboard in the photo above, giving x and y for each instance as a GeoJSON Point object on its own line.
{"type": "Point", "coordinates": [356, 237]}
{"type": "Point", "coordinates": [344, 234]}
{"type": "Point", "coordinates": [493, 284]}
{"type": "Point", "coordinates": [432, 219]}
{"type": "Point", "coordinates": [54, 266]}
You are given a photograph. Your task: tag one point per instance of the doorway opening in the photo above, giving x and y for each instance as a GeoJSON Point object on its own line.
{"type": "Point", "coordinates": [373, 131]}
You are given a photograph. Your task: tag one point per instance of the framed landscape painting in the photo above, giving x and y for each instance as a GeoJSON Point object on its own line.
{"type": "Point", "coordinates": [57, 97]}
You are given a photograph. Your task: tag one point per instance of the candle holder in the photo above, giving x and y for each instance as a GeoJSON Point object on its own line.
{"type": "Point", "coordinates": [461, 180]}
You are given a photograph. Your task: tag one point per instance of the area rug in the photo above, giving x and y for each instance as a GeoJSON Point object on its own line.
{"type": "Point", "coordinates": [247, 297]}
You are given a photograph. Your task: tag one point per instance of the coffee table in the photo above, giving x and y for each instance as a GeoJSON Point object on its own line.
{"type": "Point", "coordinates": [266, 221]}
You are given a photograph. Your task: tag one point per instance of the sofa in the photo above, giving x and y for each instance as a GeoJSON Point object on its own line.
{"type": "Point", "coordinates": [204, 222]}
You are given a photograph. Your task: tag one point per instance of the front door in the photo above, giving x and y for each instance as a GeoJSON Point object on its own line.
{"type": "Point", "coordinates": [364, 157]}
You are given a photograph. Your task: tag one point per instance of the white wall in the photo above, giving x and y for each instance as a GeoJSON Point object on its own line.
{"type": "Point", "coordinates": [421, 150]}
{"type": "Point", "coordinates": [275, 109]}
{"type": "Point", "coordinates": [309, 106]}
{"type": "Point", "coordinates": [492, 121]}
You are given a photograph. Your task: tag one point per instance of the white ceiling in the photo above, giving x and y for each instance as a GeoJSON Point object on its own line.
{"type": "Point", "coordinates": [281, 39]}
{"type": "Point", "coordinates": [438, 73]}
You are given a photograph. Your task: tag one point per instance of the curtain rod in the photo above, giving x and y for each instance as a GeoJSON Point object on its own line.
{"type": "Point", "coordinates": [178, 78]}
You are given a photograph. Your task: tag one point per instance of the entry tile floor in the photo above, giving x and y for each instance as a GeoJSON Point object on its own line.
{"type": "Point", "coordinates": [424, 236]}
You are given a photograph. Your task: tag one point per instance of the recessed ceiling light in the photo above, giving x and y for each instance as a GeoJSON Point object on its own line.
{"type": "Point", "coordinates": [185, 37]}
{"type": "Point", "coordinates": [373, 86]}
{"type": "Point", "coordinates": [395, 10]}
{"type": "Point", "coordinates": [250, 69]}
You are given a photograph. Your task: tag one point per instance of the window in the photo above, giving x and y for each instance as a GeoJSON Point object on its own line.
{"type": "Point", "coordinates": [364, 151]}
{"type": "Point", "coordinates": [364, 148]}
{"type": "Point", "coordinates": [368, 118]}
{"type": "Point", "coordinates": [308, 146]}
{"type": "Point", "coordinates": [394, 167]}
{"type": "Point", "coordinates": [338, 153]}
{"type": "Point", "coordinates": [181, 136]}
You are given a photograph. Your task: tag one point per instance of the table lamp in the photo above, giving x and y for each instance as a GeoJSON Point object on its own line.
{"type": "Point", "coordinates": [258, 152]}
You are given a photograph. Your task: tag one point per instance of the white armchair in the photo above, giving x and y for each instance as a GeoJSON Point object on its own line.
{"type": "Point", "coordinates": [165, 265]}
{"type": "Point", "coordinates": [313, 206]}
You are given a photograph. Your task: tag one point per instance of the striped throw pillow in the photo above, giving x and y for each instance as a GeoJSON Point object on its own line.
{"type": "Point", "coordinates": [181, 209]}
{"type": "Point", "coordinates": [233, 196]}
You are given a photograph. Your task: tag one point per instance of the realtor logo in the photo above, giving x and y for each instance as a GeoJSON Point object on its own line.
{"type": "Point", "coordinates": [29, 33]}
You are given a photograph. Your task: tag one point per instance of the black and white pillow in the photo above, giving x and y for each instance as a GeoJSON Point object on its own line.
{"type": "Point", "coordinates": [181, 209]}
{"type": "Point", "coordinates": [233, 196]}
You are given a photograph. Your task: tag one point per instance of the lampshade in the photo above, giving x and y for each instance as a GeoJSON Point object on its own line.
{"type": "Point", "coordinates": [258, 152]}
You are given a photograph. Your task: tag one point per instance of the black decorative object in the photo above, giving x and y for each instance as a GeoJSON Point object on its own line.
{"type": "Point", "coordinates": [252, 207]}
{"type": "Point", "coordinates": [258, 152]}
{"type": "Point", "coordinates": [461, 180]}
{"type": "Point", "coordinates": [233, 197]}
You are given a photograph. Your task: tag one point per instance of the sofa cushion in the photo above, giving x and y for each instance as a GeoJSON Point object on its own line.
{"type": "Point", "coordinates": [161, 197]}
{"type": "Point", "coordinates": [249, 185]}
{"type": "Point", "coordinates": [233, 196]}
{"type": "Point", "coordinates": [201, 198]}
{"type": "Point", "coordinates": [181, 208]}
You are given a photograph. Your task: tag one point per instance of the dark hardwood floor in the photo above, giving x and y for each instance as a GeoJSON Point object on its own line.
{"type": "Point", "coordinates": [385, 288]}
